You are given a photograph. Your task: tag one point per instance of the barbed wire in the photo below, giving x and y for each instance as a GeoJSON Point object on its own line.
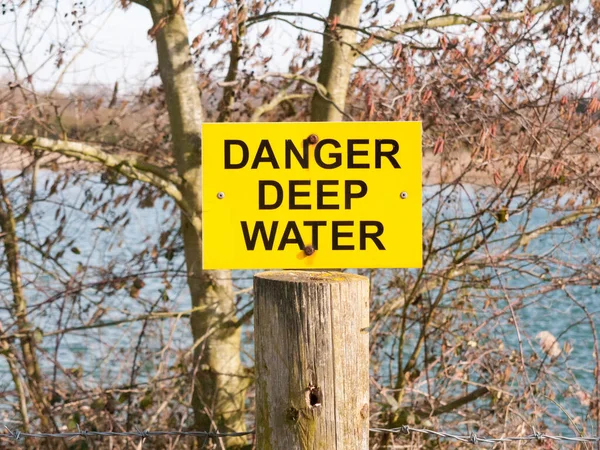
{"type": "Point", "coordinates": [142, 434]}
{"type": "Point", "coordinates": [472, 438]}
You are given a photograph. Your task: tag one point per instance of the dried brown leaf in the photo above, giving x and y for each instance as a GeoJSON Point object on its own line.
{"type": "Point", "coordinates": [439, 146]}
{"type": "Point", "coordinates": [265, 33]}
{"type": "Point", "coordinates": [549, 344]}
{"type": "Point", "coordinates": [197, 40]}
{"type": "Point", "coordinates": [334, 22]}
{"type": "Point", "coordinates": [583, 397]}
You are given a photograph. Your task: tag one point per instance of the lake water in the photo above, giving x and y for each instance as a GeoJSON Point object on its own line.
{"type": "Point", "coordinates": [110, 242]}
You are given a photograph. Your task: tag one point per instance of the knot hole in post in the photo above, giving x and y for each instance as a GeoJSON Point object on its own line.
{"type": "Point", "coordinates": [313, 396]}
{"type": "Point", "coordinates": [292, 414]}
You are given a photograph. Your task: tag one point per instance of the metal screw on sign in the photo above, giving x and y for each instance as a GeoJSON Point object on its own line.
{"type": "Point", "coordinates": [221, 195]}
{"type": "Point", "coordinates": [403, 195]}
{"type": "Point", "coordinates": [309, 250]}
{"type": "Point", "coordinates": [313, 139]}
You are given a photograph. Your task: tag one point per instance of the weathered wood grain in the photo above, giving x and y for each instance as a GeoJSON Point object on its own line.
{"type": "Point", "coordinates": [312, 360]}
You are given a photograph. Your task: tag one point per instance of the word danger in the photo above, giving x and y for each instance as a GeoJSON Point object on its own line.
{"type": "Point", "coordinates": [299, 194]}
{"type": "Point", "coordinates": [325, 154]}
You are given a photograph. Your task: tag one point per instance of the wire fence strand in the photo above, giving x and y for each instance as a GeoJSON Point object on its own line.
{"type": "Point", "coordinates": [475, 439]}
{"type": "Point", "coordinates": [142, 434]}
{"type": "Point", "coordinates": [472, 438]}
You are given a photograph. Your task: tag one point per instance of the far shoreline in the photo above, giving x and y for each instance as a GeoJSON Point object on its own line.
{"type": "Point", "coordinates": [15, 159]}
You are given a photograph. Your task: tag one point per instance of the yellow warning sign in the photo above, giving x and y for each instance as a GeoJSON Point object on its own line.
{"type": "Point", "coordinates": [312, 195]}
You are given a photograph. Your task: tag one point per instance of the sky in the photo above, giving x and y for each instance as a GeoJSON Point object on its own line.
{"type": "Point", "coordinates": [111, 45]}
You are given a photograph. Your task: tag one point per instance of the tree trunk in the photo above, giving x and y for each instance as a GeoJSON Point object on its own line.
{"type": "Point", "coordinates": [8, 226]}
{"type": "Point", "coordinates": [235, 55]}
{"type": "Point", "coordinates": [220, 382]}
{"type": "Point", "coordinates": [337, 61]}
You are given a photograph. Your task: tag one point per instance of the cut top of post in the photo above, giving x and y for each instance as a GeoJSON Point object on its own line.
{"type": "Point", "coordinates": [305, 276]}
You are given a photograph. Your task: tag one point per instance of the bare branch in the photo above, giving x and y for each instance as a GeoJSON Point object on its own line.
{"type": "Point", "coordinates": [320, 89]}
{"type": "Point", "coordinates": [456, 403]}
{"type": "Point", "coordinates": [275, 14]}
{"type": "Point", "coordinates": [281, 97]}
{"type": "Point", "coordinates": [129, 166]}
{"type": "Point", "coordinates": [296, 77]}
{"type": "Point", "coordinates": [526, 238]}
{"type": "Point", "coordinates": [458, 19]}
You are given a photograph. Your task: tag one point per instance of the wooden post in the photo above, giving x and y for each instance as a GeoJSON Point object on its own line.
{"type": "Point", "coordinates": [312, 360]}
